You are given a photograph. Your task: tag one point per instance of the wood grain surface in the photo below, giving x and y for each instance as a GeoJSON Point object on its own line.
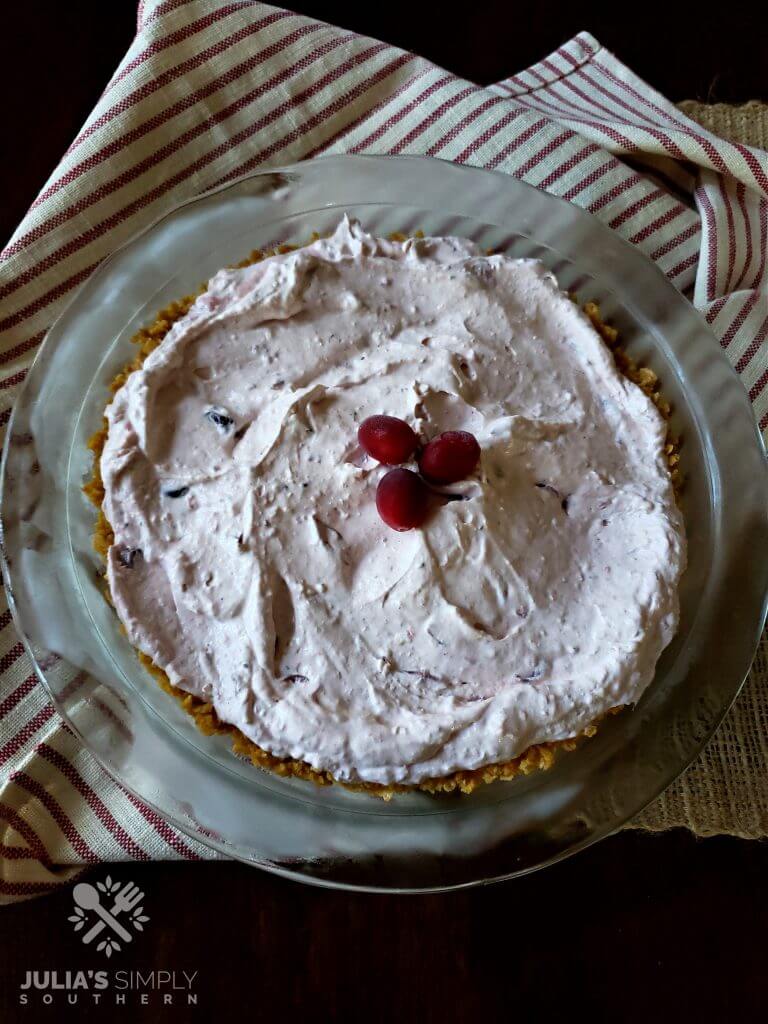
{"type": "Point", "coordinates": [639, 928]}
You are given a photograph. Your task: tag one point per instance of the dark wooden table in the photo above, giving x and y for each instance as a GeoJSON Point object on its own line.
{"type": "Point", "coordinates": [640, 928]}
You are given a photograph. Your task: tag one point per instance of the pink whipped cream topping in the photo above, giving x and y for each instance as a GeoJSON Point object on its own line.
{"type": "Point", "coordinates": [249, 560]}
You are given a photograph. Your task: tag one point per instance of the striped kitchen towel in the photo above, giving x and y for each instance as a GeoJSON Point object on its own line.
{"type": "Point", "coordinates": [210, 90]}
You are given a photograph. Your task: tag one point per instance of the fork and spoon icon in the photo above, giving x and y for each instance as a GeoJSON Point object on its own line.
{"type": "Point", "coordinates": [87, 897]}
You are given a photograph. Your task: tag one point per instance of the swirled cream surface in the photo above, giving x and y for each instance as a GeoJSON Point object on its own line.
{"type": "Point", "coordinates": [251, 565]}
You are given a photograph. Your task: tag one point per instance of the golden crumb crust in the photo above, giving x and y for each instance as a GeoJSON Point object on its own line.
{"type": "Point", "coordinates": [538, 757]}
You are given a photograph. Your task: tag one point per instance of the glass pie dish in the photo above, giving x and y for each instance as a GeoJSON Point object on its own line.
{"type": "Point", "coordinates": [329, 835]}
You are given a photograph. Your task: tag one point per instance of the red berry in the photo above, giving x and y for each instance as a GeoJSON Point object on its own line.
{"type": "Point", "coordinates": [387, 439]}
{"type": "Point", "coordinates": [450, 457]}
{"type": "Point", "coordinates": [402, 499]}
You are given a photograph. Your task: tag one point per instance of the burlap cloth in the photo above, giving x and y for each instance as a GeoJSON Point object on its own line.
{"type": "Point", "coordinates": [726, 789]}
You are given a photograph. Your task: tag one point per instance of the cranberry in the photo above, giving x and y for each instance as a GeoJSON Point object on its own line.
{"type": "Point", "coordinates": [402, 499]}
{"type": "Point", "coordinates": [387, 439]}
{"type": "Point", "coordinates": [450, 457]}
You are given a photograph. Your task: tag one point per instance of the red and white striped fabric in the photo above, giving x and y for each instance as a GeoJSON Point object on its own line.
{"type": "Point", "coordinates": [211, 90]}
